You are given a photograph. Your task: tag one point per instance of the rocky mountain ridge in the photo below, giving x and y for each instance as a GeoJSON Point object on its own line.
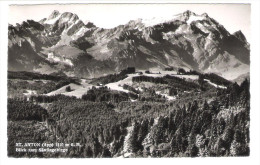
{"type": "Point", "coordinates": [63, 42]}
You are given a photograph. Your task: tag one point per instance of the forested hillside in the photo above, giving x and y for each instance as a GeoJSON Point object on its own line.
{"type": "Point", "coordinates": [200, 119]}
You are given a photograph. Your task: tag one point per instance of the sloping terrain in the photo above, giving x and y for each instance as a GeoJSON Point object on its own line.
{"type": "Point", "coordinates": [187, 40]}
{"type": "Point", "coordinates": [130, 114]}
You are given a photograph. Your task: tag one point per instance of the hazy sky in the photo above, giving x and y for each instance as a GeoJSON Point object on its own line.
{"type": "Point", "coordinates": [233, 16]}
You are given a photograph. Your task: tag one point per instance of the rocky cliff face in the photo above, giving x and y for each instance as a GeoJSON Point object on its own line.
{"type": "Point", "coordinates": [185, 40]}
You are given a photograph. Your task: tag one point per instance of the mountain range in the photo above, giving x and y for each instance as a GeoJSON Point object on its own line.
{"type": "Point", "coordinates": [63, 42]}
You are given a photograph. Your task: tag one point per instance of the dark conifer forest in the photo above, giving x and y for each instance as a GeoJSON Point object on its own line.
{"type": "Point", "coordinates": [201, 120]}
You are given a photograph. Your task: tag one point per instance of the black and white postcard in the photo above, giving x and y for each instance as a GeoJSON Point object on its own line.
{"type": "Point", "coordinates": [128, 80]}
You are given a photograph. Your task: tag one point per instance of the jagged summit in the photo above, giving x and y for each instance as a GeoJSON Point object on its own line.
{"type": "Point", "coordinates": [69, 15]}
{"type": "Point", "coordinates": [54, 14]}
{"type": "Point", "coordinates": [187, 40]}
{"type": "Point", "coordinates": [187, 16]}
{"type": "Point", "coordinates": [89, 24]}
{"type": "Point", "coordinates": [188, 13]}
{"type": "Point", "coordinates": [240, 36]}
{"type": "Point", "coordinates": [205, 15]}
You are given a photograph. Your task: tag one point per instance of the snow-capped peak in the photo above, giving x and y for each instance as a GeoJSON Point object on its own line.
{"type": "Point", "coordinates": [205, 15]}
{"type": "Point", "coordinates": [68, 17]}
{"type": "Point", "coordinates": [157, 20]}
{"type": "Point", "coordinates": [62, 17]}
{"type": "Point", "coordinates": [55, 15]}
{"type": "Point", "coordinates": [191, 16]}
{"type": "Point", "coordinates": [188, 13]}
{"type": "Point", "coordinates": [187, 16]}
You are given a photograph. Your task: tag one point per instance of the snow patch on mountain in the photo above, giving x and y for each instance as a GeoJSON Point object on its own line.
{"type": "Point", "coordinates": [52, 57]}
{"type": "Point", "coordinates": [79, 33]}
{"type": "Point", "coordinates": [31, 42]}
{"type": "Point", "coordinates": [67, 20]}
{"type": "Point", "coordinates": [183, 29]}
{"type": "Point", "coordinates": [53, 20]}
{"type": "Point", "coordinates": [194, 18]}
{"type": "Point", "coordinates": [202, 27]}
{"type": "Point", "coordinates": [158, 20]}
{"type": "Point", "coordinates": [185, 47]}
